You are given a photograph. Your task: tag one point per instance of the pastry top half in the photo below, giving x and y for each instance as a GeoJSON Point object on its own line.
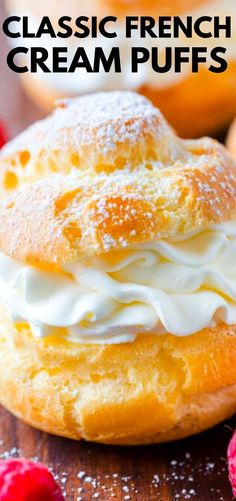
{"type": "Point", "coordinates": [105, 172]}
{"type": "Point", "coordinates": [115, 226]}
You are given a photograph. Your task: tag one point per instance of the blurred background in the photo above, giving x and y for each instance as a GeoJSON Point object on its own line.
{"type": "Point", "coordinates": [16, 109]}
{"type": "Point", "coordinates": [195, 104]}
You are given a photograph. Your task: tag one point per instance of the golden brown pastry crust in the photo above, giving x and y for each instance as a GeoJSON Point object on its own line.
{"type": "Point", "coordinates": [155, 389]}
{"type": "Point", "coordinates": [125, 178]}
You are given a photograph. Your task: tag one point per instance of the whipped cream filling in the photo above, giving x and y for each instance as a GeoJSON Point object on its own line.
{"type": "Point", "coordinates": [83, 82]}
{"type": "Point", "coordinates": [178, 286]}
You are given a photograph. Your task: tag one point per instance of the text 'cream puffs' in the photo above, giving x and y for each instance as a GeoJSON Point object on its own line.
{"type": "Point", "coordinates": [188, 73]}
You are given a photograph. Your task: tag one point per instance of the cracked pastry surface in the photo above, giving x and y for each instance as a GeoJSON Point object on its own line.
{"type": "Point", "coordinates": [123, 177]}
{"type": "Point", "coordinates": [117, 273]}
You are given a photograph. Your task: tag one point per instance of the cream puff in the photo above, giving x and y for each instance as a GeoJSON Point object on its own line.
{"type": "Point", "coordinates": [194, 103]}
{"type": "Point", "coordinates": [117, 274]}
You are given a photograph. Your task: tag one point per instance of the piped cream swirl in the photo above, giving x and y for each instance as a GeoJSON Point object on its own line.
{"type": "Point", "coordinates": [178, 286]}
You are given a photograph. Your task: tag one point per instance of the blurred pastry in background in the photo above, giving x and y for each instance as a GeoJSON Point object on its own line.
{"type": "Point", "coordinates": [231, 139]}
{"type": "Point", "coordinates": [195, 104]}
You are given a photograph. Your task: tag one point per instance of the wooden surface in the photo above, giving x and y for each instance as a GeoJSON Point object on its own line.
{"type": "Point", "coordinates": [191, 469]}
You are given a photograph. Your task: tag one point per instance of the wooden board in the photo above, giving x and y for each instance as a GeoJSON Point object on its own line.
{"type": "Point", "coordinates": [190, 469]}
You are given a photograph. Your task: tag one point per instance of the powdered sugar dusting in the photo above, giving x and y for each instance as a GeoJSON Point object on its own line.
{"type": "Point", "coordinates": [103, 119]}
{"type": "Point", "coordinates": [180, 476]}
{"type": "Point", "coordinates": [114, 175]}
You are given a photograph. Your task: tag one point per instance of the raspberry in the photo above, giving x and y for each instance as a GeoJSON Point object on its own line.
{"type": "Point", "coordinates": [23, 480]}
{"type": "Point", "coordinates": [232, 462]}
{"type": "Point", "coordinates": [3, 137]}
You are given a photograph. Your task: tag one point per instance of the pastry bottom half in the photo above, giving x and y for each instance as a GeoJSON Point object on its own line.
{"type": "Point", "coordinates": [155, 389]}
